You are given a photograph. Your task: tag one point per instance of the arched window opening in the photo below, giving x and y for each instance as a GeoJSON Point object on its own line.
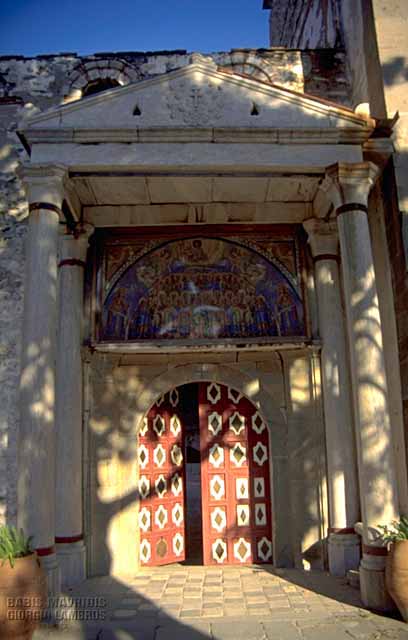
{"type": "Point", "coordinates": [101, 84]}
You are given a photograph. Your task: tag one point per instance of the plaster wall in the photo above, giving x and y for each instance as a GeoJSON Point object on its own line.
{"type": "Point", "coordinates": [286, 388]}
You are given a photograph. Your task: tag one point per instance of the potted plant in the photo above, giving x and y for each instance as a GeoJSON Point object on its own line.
{"type": "Point", "coordinates": [396, 568]}
{"type": "Point", "coordinates": [23, 587]}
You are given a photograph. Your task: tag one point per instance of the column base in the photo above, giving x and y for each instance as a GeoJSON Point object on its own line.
{"type": "Point", "coordinates": [52, 571]}
{"type": "Point", "coordinates": [374, 594]}
{"type": "Point", "coordinates": [344, 553]}
{"type": "Point", "coordinates": [71, 559]}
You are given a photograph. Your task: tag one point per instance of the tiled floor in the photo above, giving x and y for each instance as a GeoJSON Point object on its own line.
{"type": "Point", "coordinates": [202, 603]}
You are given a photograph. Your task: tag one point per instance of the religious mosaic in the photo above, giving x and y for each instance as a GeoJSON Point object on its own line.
{"type": "Point", "coordinates": [202, 289]}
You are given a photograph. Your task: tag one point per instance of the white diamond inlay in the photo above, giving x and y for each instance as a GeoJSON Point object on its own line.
{"type": "Point", "coordinates": [219, 550]}
{"type": "Point", "coordinates": [143, 456]}
{"type": "Point", "coordinates": [218, 519]}
{"type": "Point", "coordinates": [241, 489]}
{"type": "Point", "coordinates": [176, 455]}
{"type": "Point", "coordinates": [213, 393]}
{"type": "Point", "coordinates": [159, 455]}
{"type": "Point", "coordinates": [238, 454]}
{"type": "Point", "coordinates": [214, 423]}
{"type": "Point", "coordinates": [234, 395]}
{"type": "Point", "coordinates": [217, 487]}
{"type": "Point", "coordinates": [260, 514]}
{"type": "Point", "coordinates": [161, 486]}
{"type": "Point", "coordinates": [178, 544]}
{"type": "Point", "coordinates": [175, 425]}
{"type": "Point", "coordinates": [264, 549]}
{"type": "Point", "coordinates": [161, 517]}
{"type": "Point", "coordinates": [144, 519]}
{"type": "Point", "coordinates": [176, 485]}
{"type": "Point", "coordinates": [177, 514]}
{"type": "Point", "coordinates": [160, 401]}
{"type": "Point", "coordinates": [257, 422]}
{"type": "Point", "coordinates": [216, 456]}
{"type": "Point", "coordinates": [145, 427]}
{"type": "Point", "coordinates": [237, 423]}
{"type": "Point", "coordinates": [174, 397]}
{"type": "Point", "coordinates": [145, 551]}
{"type": "Point", "coordinates": [243, 515]}
{"type": "Point", "coordinates": [242, 550]}
{"type": "Point", "coordinates": [259, 487]}
{"type": "Point", "coordinates": [144, 487]}
{"type": "Point", "coordinates": [159, 425]}
{"type": "Point", "coordinates": [260, 453]}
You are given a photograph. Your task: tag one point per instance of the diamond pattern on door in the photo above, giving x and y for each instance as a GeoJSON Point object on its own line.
{"type": "Point", "coordinates": [236, 495]}
{"type": "Point", "coordinates": [219, 550]}
{"type": "Point", "coordinates": [159, 455]}
{"type": "Point", "coordinates": [145, 426]}
{"type": "Point", "coordinates": [216, 457]}
{"type": "Point", "coordinates": [175, 425]}
{"type": "Point", "coordinates": [242, 550]}
{"type": "Point", "coordinates": [258, 424]}
{"type": "Point", "coordinates": [161, 483]}
{"type": "Point", "coordinates": [213, 393]}
{"type": "Point", "coordinates": [161, 486]}
{"type": "Point", "coordinates": [174, 397]}
{"type": "Point", "coordinates": [159, 425]}
{"type": "Point", "coordinates": [243, 515]}
{"type": "Point", "coordinates": [238, 454]}
{"type": "Point", "coordinates": [237, 423]}
{"type": "Point", "coordinates": [214, 423]}
{"type": "Point", "coordinates": [218, 519]}
{"type": "Point", "coordinates": [241, 492]}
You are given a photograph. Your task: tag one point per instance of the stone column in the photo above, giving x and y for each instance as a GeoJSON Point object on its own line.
{"type": "Point", "coordinates": [350, 187]}
{"type": "Point", "coordinates": [69, 485]}
{"type": "Point", "coordinates": [36, 485]}
{"type": "Point", "coordinates": [344, 544]}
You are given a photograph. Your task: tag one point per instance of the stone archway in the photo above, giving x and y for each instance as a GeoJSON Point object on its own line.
{"type": "Point", "coordinates": [251, 389]}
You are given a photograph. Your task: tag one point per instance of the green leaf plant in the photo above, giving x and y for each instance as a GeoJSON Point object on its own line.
{"type": "Point", "coordinates": [396, 531]}
{"type": "Point", "coordinates": [13, 544]}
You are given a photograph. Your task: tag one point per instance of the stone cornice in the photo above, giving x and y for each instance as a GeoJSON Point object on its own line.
{"type": "Point", "coordinates": [349, 135]}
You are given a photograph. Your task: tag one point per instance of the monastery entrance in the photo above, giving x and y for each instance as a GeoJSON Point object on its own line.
{"type": "Point", "coordinates": [204, 479]}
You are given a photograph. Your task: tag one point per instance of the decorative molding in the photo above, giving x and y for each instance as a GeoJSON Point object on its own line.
{"type": "Point", "coordinates": [351, 207]}
{"type": "Point", "coordinates": [68, 539]}
{"type": "Point", "coordinates": [44, 206]}
{"type": "Point", "coordinates": [198, 105]}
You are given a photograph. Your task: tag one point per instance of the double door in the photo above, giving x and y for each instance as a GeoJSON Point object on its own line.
{"type": "Point", "coordinates": [235, 480]}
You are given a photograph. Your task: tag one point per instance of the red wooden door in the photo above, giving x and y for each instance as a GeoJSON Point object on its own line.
{"type": "Point", "coordinates": [161, 484]}
{"type": "Point", "coordinates": [235, 478]}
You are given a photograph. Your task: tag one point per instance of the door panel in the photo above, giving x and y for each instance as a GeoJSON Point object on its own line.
{"type": "Point", "coordinates": [235, 478]}
{"type": "Point", "coordinates": [161, 484]}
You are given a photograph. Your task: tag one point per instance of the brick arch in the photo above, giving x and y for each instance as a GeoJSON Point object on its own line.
{"type": "Point", "coordinates": [101, 68]}
{"type": "Point", "coordinates": [246, 63]}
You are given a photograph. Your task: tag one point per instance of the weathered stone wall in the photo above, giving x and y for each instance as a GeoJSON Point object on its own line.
{"type": "Point", "coordinates": [28, 84]}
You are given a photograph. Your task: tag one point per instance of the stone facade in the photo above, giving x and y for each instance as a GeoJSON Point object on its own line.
{"type": "Point", "coordinates": [137, 145]}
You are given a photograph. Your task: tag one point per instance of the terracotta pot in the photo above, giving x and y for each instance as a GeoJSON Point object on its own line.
{"type": "Point", "coordinates": [23, 596]}
{"type": "Point", "coordinates": [396, 575]}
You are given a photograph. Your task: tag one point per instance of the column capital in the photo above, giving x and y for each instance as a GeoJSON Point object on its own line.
{"type": "Point", "coordinates": [349, 184]}
{"type": "Point", "coordinates": [73, 246]}
{"type": "Point", "coordinates": [44, 184]}
{"type": "Point", "coordinates": [323, 238]}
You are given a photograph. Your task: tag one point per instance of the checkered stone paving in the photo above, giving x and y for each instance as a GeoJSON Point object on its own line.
{"type": "Point", "coordinates": [212, 603]}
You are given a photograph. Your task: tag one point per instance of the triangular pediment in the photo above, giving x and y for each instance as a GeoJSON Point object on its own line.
{"type": "Point", "coordinates": [199, 96]}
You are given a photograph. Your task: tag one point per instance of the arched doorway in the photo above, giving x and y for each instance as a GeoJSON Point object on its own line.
{"type": "Point", "coordinates": [204, 479]}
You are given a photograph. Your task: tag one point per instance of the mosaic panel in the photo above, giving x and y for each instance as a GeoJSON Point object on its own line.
{"type": "Point", "coordinates": [203, 288]}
